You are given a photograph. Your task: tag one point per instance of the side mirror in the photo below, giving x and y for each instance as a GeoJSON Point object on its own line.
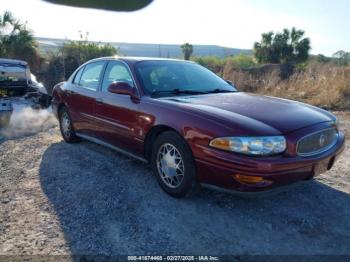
{"type": "Point", "coordinates": [122, 88]}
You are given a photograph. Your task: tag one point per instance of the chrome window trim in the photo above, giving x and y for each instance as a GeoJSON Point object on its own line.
{"type": "Point", "coordinates": [321, 150]}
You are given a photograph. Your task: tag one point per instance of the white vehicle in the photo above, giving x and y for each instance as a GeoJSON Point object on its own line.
{"type": "Point", "coordinates": [16, 80]}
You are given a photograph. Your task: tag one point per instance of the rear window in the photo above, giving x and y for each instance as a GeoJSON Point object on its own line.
{"type": "Point", "coordinates": [90, 77]}
{"type": "Point", "coordinates": [78, 76]}
{"type": "Point", "coordinates": [12, 73]}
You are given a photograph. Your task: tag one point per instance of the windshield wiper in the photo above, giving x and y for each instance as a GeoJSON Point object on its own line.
{"type": "Point", "coordinates": [178, 91]}
{"type": "Point", "coordinates": [219, 90]}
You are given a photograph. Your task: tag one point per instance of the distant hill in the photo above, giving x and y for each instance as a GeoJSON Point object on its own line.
{"type": "Point", "coordinates": [152, 50]}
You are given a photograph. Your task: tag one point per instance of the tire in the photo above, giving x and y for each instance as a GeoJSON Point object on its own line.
{"type": "Point", "coordinates": [174, 166]}
{"type": "Point", "coordinates": [66, 127]}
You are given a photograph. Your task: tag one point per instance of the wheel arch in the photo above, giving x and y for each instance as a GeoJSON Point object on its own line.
{"type": "Point", "coordinates": [152, 135]}
{"type": "Point", "coordinates": [59, 107]}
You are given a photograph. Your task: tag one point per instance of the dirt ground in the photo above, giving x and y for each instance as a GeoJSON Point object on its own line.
{"type": "Point", "coordinates": [58, 198]}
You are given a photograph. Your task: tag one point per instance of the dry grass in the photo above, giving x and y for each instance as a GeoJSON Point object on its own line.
{"type": "Point", "coordinates": [325, 85]}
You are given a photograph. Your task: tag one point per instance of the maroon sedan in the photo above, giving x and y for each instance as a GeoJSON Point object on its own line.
{"type": "Point", "coordinates": [193, 127]}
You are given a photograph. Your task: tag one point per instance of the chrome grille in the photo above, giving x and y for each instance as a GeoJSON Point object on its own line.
{"type": "Point", "coordinates": [317, 142]}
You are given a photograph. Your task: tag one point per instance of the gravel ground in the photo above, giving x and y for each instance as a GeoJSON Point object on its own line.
{"type": "Point", "coordinates": [58, 199]}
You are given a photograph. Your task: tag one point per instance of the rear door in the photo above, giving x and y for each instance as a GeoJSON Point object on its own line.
{"type": "Point", "coordinates": [82, 97]}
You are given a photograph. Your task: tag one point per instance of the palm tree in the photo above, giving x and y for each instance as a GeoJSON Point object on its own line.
{"type": "Point", "coordinates": [187, 50]}
{"type": "Point", "coordinates": [5, 20]}
{"type": "Point", "coordinates": [289, 46]}
{"type": "Point", "coordinates": [16, 41]}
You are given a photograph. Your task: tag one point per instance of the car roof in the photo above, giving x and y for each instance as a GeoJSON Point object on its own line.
{"type": "Point", "coordinates": [134, 59]}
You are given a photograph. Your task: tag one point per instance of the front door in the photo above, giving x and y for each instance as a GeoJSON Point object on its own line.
{"type": "Point", "coordinates": [117, 114]}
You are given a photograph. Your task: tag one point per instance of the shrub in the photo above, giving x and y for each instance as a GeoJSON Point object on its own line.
{"type": "Point", "coordinates": [75, 53]}
{"type": "Point", "coordinates": [213, 63]}
{"type": "Point", "coordinates": [240, 61]}
{"type": "Point", "coordinates": [321, 84]}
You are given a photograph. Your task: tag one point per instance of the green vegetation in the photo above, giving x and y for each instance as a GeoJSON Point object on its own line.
{"type": "Point", "coordinates": [60, 65]}
{"type": "Point", "coordinates": [75, 53]}
{"type": "Point", "coordinates": [16, 41]}
{"type": "Point", "coordinates": [213, 63]}
{"type": "Point", "coordinates": [290, 46]}
{"type": "Point", "coordinates": [187, 50]}
{"type": "Point", "coordinates": [218, 65]}
{"type": "Point", "coordinates": [241, 61]}
{"type": "Point", "coordinates": [322, 58]}
{"type": "Point", "coordinates": [342, 57]}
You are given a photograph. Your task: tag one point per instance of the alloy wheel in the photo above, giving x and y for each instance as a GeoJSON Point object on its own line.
{"type": "Point", "coordinates": [170, 165]}
{"type": "Point", "coordinates": [65, 124]}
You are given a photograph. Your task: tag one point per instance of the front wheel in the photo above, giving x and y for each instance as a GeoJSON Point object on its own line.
{"type": "Point", "coordinates": [174, 165]}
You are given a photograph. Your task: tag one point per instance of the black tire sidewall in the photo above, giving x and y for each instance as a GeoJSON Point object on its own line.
{"type": "Point", "coordinates": [189, 182]}
{"type": "Point", "coordinates": [72, 136]}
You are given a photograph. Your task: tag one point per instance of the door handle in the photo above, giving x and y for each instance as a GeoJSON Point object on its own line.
{"type": "Point", "coordinates": [99, 101]}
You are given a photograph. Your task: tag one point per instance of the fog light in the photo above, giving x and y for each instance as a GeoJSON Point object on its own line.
{"type": "Point", "coordinates": [248, 179]}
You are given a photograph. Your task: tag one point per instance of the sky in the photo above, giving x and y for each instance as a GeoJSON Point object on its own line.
{"type": "Point", "coordinates": [229, 23]}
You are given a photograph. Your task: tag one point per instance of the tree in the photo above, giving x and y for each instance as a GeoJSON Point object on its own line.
{"type": "Point", "coordinates": [290, 46]}
{"type": "Point", "coordinates": [322, 58]}
{"type": "Point", "coordinates": [342, 57]}
{"type": "Point", "coordinates": [16, 41]}
{"type": "Point", "coordinates": [187, 50]}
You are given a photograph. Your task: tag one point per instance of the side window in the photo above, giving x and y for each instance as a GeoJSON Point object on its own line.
{"type": "Point", "coordinates": [78, 76]}
{"type": "Point", "coordinates": [91, 75]}
{"type": "Point", "coordinates": [116, 71]}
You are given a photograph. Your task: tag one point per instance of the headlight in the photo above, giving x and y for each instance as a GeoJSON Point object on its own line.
{"type": "Point", "coordinates": [259, 146]}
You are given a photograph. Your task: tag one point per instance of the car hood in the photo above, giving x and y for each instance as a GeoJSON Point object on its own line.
{"type": "Point", "coordinates": [274, 115]}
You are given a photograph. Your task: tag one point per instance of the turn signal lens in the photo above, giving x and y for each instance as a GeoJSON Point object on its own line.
{"type": "Point", "coordinates": [223, 144]}
{"type": "Point", "coordinates": [248, 179]}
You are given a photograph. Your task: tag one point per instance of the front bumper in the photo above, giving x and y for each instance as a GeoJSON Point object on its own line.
{"type": "Point", "coordinates": [220, 169]}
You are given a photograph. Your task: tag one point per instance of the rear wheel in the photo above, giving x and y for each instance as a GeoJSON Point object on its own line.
{"type": "Point", "coordinates": [173, 165]}
{"type": "Point", "coordinates": [66, 126]}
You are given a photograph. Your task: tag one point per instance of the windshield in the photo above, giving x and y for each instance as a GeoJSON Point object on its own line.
{"type": "Point", "coordinates": [164, 78]}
